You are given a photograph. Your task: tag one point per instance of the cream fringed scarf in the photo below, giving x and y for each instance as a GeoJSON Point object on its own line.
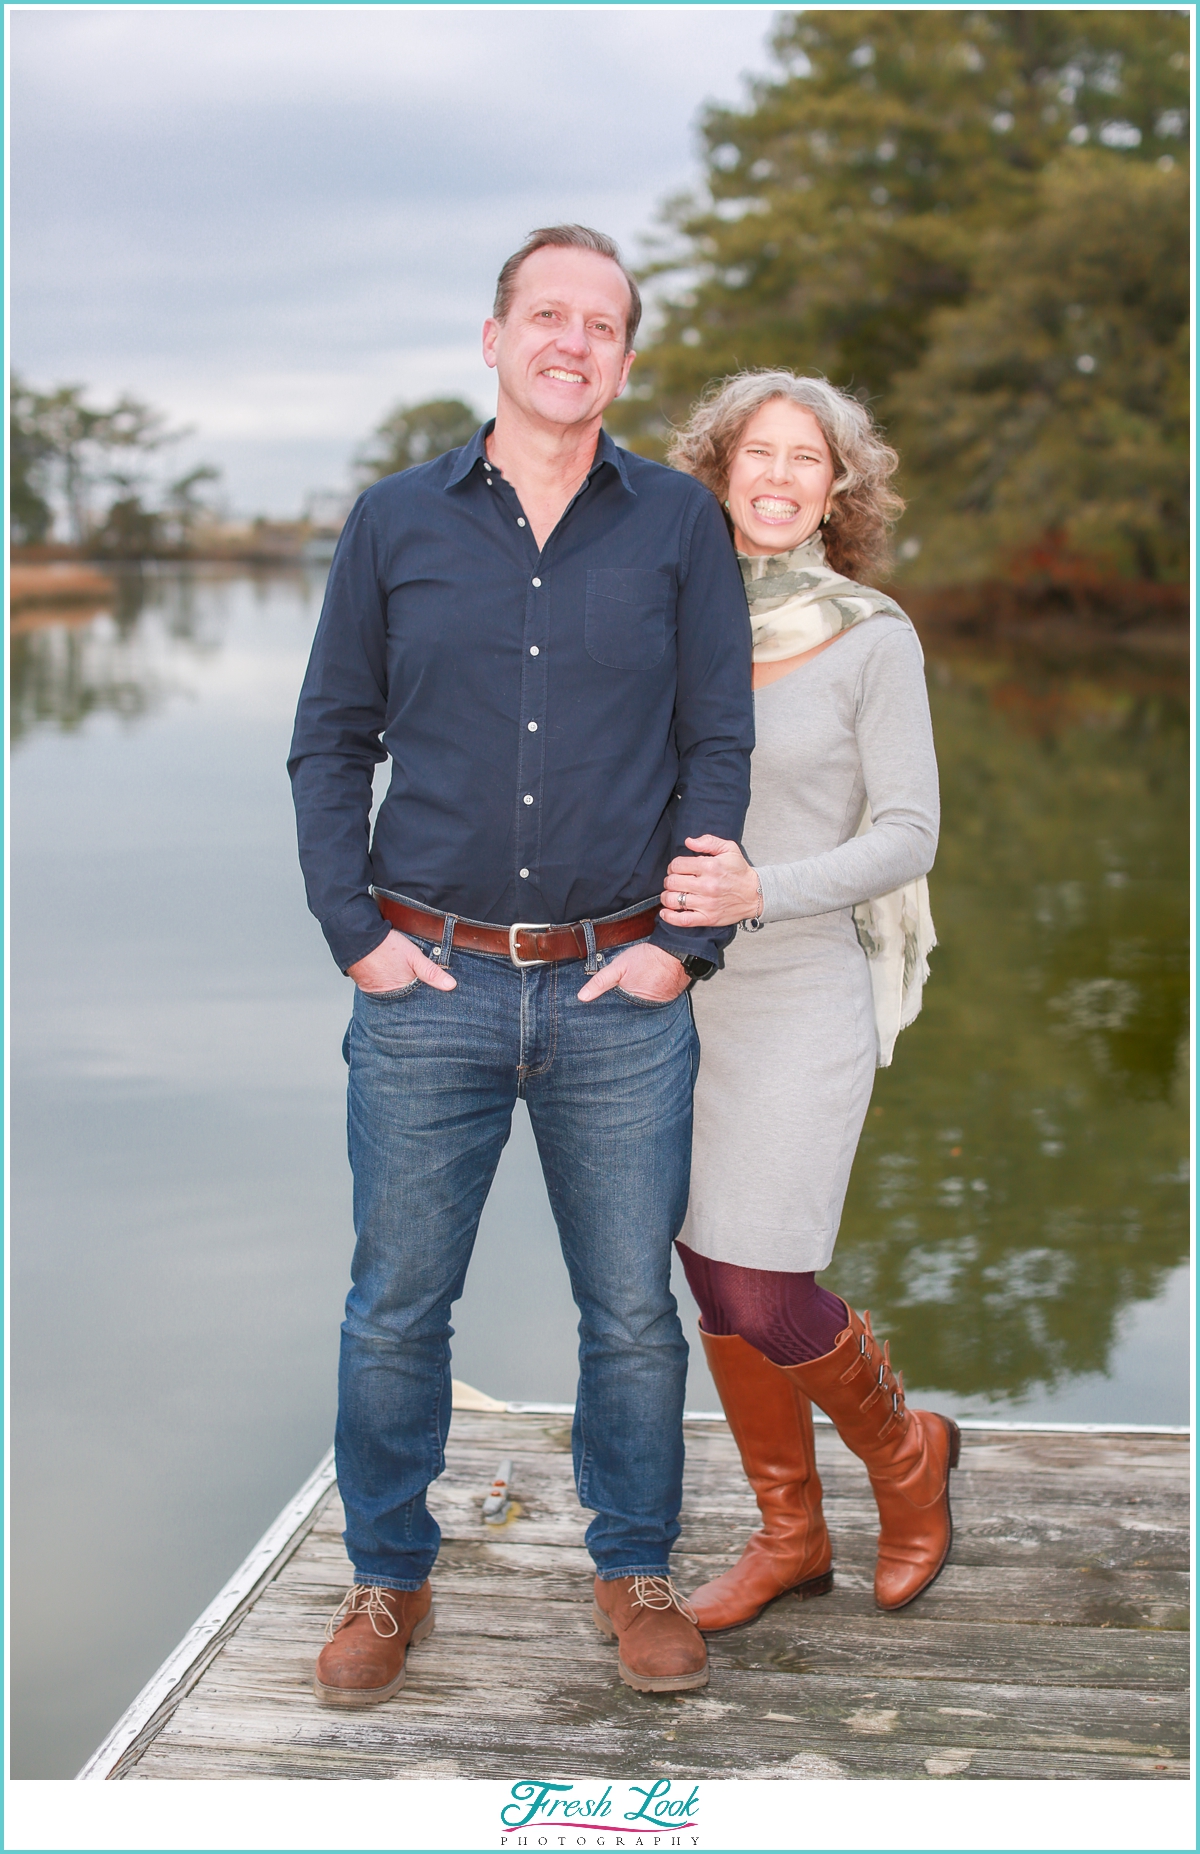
{"type": "Point", "coordinates": [796, 602]}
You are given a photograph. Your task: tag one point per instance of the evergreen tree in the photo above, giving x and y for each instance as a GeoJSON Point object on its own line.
{"type": "Point", "coordinates": [413, 434]}
{"type": "Point", "coordinates": [64, 446]}
{"type": "Point", "coordinates": [129, 530]}
{"type": "Point", "coordinates": [847, 203]}
{"type": "Point", "coordinates": [29, 458]}
{"type": "Point", "coordinates": [185, 505]}
{"type": "Point", "coordinates": [1055, 399]}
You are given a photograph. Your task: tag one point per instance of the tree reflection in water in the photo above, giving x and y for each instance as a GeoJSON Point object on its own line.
{"type": "Point", "coordinates": [70, 663]}
{"type": "Point", "coordinates": [1022, 1176]}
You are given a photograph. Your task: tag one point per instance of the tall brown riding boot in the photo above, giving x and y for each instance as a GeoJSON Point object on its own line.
{"type": "Point", "coordinates": [772, 1426]}
{"type": "Point", "coordinates": [908, 1454]}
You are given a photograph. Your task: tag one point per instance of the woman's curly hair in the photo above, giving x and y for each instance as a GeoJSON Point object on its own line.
{"type": "Point", "coordinates": [863, 507]}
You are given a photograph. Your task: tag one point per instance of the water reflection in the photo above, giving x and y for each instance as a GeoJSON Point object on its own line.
{"type": "Point", "coordinates": [130, 656]}
{"type": "Point", "coordinates": [1022, 1178]}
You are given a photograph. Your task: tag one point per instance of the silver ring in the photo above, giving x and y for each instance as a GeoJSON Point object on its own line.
{"type": "Point", "coordinates": [682, 900]}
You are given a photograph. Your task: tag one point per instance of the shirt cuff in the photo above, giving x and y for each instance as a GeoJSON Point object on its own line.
{"type": "Point", "coordinates": [354, 931]}
{"type": "Point", "coordinates": [704, 942]}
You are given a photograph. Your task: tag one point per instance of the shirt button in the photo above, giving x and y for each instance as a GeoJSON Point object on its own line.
{"type": "Point", "coordinates": [533, 650]}
{"type": "Point", "coordinates": [529, 798]}
{"type": "Point", "coordinates": [524, 872]}
{"type": "Point", "coordinates": [537, 582]}
{"type": "Point", "coordinates": [520, 521]}
{"type": "Point", "coordinates": [533, 727]}
{"type": "Point", "coordinates": [489, 482]}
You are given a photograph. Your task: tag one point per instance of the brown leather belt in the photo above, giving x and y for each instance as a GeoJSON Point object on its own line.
{"type": "Point", "coordinates": [526, 943]}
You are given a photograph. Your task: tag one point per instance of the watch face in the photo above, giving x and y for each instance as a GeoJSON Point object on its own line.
{"type": "Point", "coordinates": [698, 968]}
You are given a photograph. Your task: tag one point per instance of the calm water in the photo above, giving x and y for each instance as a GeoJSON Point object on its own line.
{"type": "Point", "coordinates": [1018, 1217]}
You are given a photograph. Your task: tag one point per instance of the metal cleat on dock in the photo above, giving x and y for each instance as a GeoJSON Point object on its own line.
{"type": "Point", "coordinates": [498, 1501]}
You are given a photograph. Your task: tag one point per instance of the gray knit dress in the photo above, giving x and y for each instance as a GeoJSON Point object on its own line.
{"type": "Point", "coordinates": [787, 1030]}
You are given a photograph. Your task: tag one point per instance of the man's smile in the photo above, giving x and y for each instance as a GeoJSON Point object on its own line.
{"type": "Point", "coordinates": [561, 373]}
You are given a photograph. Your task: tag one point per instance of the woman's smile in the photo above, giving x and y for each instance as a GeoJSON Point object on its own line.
{"type": "Point", "coordinates": [780, 479]}
{"type": "Point", "coordinates": [773, 508]}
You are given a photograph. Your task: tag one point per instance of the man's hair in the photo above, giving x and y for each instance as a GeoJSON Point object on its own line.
{"type": "Point", "coordinates": [567, 238]}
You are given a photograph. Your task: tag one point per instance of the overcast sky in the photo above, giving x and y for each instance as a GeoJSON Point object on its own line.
{"type": "Point", "coordinates": [277, 223]}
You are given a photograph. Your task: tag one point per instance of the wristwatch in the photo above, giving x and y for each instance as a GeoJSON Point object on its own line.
{"type": "Point", "coordinates": [694, 965]}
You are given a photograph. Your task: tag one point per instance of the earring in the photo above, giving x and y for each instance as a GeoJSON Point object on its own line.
{"type": "Point", "coordinates": [725, 504]}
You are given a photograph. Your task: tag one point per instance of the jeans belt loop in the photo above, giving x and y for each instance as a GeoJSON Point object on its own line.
{"type": "Point", "coordinates": [443, 953]}
{"type": "Point", "coordinates": [594, 960]}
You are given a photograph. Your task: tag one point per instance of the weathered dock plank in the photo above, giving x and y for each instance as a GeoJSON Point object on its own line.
{"type": "Point", "coordinates": [795, 1641]}
{"type": "Point", "coordinates": [1053, 1646]}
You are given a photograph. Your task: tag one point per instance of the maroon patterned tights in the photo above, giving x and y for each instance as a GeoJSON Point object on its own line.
{"type": "Point", "coordinates": [787, 1317]}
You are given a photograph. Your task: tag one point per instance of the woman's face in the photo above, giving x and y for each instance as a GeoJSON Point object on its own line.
{"type": "Point", "coordinates": [779, 479]}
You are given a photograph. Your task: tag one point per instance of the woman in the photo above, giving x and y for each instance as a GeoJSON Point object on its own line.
{"type": "Point", "coordinates": [842, 823]}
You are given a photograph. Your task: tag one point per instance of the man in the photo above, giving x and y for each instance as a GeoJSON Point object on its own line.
{"type": "Point", "coordinates": [549, 637]}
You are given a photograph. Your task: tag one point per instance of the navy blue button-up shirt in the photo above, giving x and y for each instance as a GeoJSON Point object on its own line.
{"type": "Point", "coordinates": [558, 722]}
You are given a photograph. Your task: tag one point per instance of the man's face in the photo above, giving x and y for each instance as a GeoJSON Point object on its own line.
{"type": "Point", "coordinates": [560, 351]}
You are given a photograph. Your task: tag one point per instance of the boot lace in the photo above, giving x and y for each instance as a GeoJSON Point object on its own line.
{"type": "Point", "coordinates": [660, 1593]}
{"type": "Point", "coordinates": [363, 1600]}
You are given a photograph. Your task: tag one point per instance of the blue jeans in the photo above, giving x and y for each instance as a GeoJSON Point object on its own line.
{"type": "Point", "coordinates": [433, 1080]}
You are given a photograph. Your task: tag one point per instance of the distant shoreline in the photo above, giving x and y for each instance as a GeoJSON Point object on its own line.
{"type": "Point", "coordinates": [1043, 613]}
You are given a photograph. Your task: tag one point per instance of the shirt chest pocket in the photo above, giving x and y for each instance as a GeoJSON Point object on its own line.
{"type": "Point", "coordinates": [625, 616]}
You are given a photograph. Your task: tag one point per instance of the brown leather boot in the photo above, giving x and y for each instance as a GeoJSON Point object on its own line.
{"type": "Point", "coordinates": [908, 1454]}
{"type": "Point", "coordinates": [369, 1635]}
{"type": "Point", "coordinates": [661, 1649]}
{"type": "Point", "coordinates": [771, 1421]}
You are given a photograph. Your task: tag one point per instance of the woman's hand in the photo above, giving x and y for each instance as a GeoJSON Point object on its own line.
{"type": "Point", "coordinates": [718, 886]}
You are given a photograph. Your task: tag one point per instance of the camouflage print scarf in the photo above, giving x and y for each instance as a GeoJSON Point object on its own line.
{"type": "Point", "coordinates": [797, 601]}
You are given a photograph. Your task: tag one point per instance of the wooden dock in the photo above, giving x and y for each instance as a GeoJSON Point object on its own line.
{"type": "Point", "coordinates": [1054, 1645]}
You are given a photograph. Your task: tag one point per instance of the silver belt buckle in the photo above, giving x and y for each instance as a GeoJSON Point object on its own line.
{"type": "Point", "coordinates": [526, 927]}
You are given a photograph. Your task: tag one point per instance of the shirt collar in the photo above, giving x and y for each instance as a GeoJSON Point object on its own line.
{"type": "Point", "coordinates": [476, 452]}
{"type": "Point", "coordinates": [609, 453]}
{"type": "Point", "coordinates": [470, 455]}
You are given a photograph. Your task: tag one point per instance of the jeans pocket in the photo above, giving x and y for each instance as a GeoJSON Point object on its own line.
{"type": "Point", "coordinates": [625, 616]}
{"type": "Point", "coordinates": [646, 1004]}
{"type": "Point", "coordinates": [389, 997]}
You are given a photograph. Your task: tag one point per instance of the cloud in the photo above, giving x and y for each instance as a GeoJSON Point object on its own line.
{"type": "Point", "coordinates": [276, 223]}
